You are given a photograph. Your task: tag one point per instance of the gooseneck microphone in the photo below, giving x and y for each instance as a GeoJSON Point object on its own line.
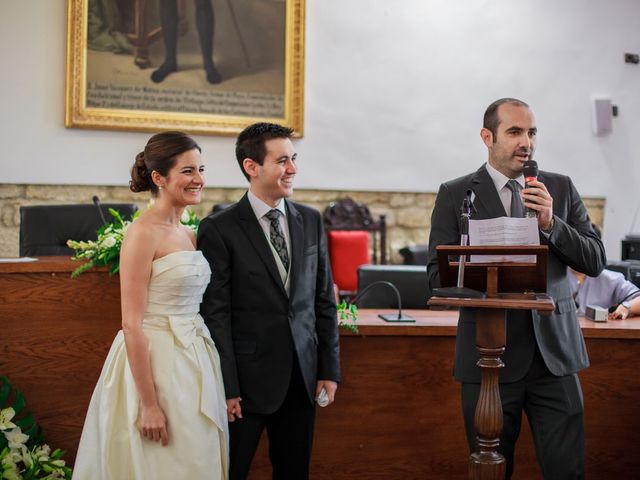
{"type": "Point", "coordinates": [530, 173]}
{"type": "Point", "coordinates": [96, 202]}
{"type": "Point", "coordinates": [391, 317]}
{"type": "Point", "coordinates": [465, 213]}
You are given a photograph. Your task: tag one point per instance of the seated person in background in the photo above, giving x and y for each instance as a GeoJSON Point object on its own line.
{"type": "Point", "coordinates": [607, 290]}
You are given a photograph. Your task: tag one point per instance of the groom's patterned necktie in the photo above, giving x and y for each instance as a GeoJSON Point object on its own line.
{"type": "Point", "coordinates": [277, 238]}
{"type": "Point", "coordinates": [517, 208]}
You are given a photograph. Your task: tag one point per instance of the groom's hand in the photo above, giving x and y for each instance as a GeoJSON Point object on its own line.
{"type": "Point", "coordinates": [234, 410]}
{"type": "Point", "coordinates": [329, 386]}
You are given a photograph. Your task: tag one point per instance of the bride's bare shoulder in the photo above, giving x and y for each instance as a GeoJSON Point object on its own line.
{"type": "Point", "coordinates": [142, 232]}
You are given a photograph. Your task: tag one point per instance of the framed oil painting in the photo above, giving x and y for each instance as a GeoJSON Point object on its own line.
{"type": "Point", "coordinates": [200, 66]}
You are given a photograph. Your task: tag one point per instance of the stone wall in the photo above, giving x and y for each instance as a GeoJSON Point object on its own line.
{"type": "Point", "coordinates": [408, 213]}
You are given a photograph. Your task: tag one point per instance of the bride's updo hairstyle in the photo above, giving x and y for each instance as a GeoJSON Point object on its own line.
{"type": "Point", "coordinates": [159, 155]}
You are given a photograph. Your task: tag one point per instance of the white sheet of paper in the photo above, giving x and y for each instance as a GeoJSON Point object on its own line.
{"type": "Point", "coordinates": [504, 231]}
{"type": "Point", "coordinates": [17, 260]}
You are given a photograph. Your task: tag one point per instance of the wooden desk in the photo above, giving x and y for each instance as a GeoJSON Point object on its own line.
{"type": "Point", "coordinates": [55, 333]}
{"type": "Point", "coordinates": [397, 414]}
{"type": "Point", "coordinates": [418, 431]}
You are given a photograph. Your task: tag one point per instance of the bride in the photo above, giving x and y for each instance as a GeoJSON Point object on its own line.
{"type": "Point", "coordinates": [158, 410]}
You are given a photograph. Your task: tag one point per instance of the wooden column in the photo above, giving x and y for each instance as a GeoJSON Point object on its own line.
{"type": "Point", "coordinates": [486, 462]}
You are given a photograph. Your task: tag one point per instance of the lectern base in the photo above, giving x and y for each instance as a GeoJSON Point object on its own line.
{"type": "Point", "coordinates": [487, 466]}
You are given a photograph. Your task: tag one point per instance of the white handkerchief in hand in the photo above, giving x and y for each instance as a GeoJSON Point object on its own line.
{"type": "Point", "coordinates": [323, 399]}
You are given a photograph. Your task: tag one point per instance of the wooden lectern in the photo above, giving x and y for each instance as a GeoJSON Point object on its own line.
{"type": "Point", "coordinates": [507, 285]}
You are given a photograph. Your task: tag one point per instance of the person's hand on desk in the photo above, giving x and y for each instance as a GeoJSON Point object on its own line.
{"type": "Point", "coordinates": [626, 309]}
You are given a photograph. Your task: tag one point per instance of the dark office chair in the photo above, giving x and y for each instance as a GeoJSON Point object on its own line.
{"type": "Point", "coordinates": [629, 268]}
{"type": "Point", "coordinates": [45, 229]}
{"type": "Point", "coordinates": [414, 254]}
{"type": "Point", "coordinates": [631, 247]}
{"type": "Point", "coordinates": [410, 280]}
{"type": "Point", "coordinates": [351, 234]}
{"type": "Point", "coordinates": [218, 207]}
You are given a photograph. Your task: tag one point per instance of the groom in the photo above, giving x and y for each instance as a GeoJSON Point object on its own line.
{"type": "Point", "coordinates": [270, 308]}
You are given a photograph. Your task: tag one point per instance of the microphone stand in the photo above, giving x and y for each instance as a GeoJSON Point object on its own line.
{"type": "Point", "coordinates": [459, 291]}
{"type": "Point", "coordinates": [387, 317]}
{"type": "Point", "coordinates": [464, 236]}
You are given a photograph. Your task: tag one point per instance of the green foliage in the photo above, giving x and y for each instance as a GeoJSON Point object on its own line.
{"type": "Point", "coordinates": [347, 316]}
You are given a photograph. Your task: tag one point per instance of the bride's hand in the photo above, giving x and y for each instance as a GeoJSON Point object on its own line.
{"type": "Point", "coordinates": [153, 424]}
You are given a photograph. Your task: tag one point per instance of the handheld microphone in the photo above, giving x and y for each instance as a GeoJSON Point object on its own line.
{"type": "Point", "coordinates": [96, 202]}
{"type": "Point", "coordinates": [530, 172]}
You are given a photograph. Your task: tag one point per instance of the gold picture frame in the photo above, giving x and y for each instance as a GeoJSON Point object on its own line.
{"type": "Point", "coordinates": [114, 91]}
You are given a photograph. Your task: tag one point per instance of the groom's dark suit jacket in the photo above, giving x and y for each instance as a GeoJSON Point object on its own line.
{"type": "Point", "coordinates": [573, 243]}
{"type": "Point", "coordinates": [258, 329]}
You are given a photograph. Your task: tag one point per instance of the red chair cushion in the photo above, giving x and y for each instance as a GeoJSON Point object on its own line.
{"type": "Point", "coordinates": [348, 249]}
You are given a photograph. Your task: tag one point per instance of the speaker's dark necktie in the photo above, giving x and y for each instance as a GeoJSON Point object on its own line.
{"type": "Point", "coordinates": [277, 237]}
{"type": "Point", "coordinates": [517, 207]}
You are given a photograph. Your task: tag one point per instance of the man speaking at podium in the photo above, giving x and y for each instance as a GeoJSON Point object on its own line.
{"type": "Point", "coordinates": [543, 352]}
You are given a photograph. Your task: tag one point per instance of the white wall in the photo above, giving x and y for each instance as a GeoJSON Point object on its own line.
{"type": "Point", "coordinates": [395, 92]}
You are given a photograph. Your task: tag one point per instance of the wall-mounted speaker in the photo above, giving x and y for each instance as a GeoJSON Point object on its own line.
{"type": "Point", "coordinates": [602, 116]}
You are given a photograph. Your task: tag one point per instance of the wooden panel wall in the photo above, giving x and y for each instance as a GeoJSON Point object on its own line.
{"type": "Point", "coordinates": [397, 414]}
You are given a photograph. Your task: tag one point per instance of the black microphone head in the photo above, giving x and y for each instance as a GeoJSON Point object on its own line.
{"type": "Point", "coordinates": [530, 168]}
{"type": "Point", "coordinates": [96, 199]}
{"type": "Point", "coordinates": [466, 203]}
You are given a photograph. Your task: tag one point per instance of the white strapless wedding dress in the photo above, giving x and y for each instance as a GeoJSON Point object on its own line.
{"type": "Point", "coordinates": [186, 373]}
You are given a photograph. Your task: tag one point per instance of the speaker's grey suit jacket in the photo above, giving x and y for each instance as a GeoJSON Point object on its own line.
{"type": "Point", "coordinates": [573, 242]}
{"type": "Point", "coordinates": [256, 326]}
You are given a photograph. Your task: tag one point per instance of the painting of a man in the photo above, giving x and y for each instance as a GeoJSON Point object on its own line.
{"type": "Point", "coordinates": [243, 76]}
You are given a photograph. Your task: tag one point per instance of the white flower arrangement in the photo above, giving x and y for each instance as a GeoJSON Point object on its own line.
{"type": "Point", "coordinates": [190, 219]}
{"type": "Point", "coordinates": [18, 462]}
{"type": "Point", "coordinates": [105, 251]}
